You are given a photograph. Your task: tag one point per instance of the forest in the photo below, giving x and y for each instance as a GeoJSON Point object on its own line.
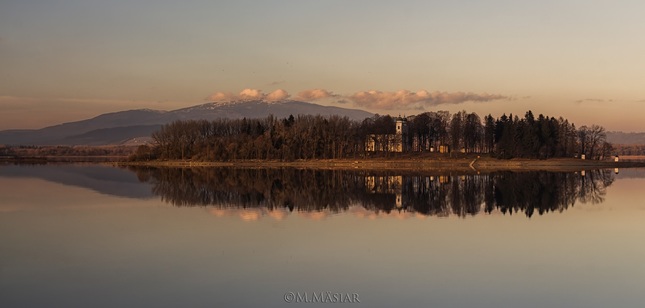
{"type": "Point", "coordinates": [334, 137]}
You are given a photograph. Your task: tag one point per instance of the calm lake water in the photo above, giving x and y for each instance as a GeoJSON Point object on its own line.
{"type": "Point", "coordinates": [97, 236]}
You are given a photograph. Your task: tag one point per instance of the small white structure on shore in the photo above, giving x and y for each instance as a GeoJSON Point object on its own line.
{"type": "Point", "coordinates": [390, 142]}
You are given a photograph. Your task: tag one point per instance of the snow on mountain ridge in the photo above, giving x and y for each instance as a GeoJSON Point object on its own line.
{"type": "Point", "coordinates": [237, 102]}
{"type": "Point", "coordinates": [216, 105]}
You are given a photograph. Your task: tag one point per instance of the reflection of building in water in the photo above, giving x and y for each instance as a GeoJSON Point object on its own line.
{"type": "Point", "coordinates": [386, 185]}
{"type": "Point", "coordinates": [399, 200]}
{"type": "Point", "coordinates": [406, 189]}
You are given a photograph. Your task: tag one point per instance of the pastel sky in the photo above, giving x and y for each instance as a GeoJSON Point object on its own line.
{"type": "Point", "coordinates": [66, 60]}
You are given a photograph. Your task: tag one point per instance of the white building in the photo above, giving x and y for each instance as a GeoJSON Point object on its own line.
{"type": "Point", "coordinates": [396, 142]}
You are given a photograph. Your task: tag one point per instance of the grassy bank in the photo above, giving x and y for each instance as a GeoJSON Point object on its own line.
{"type": "Point", "coordinates": [465, 162]}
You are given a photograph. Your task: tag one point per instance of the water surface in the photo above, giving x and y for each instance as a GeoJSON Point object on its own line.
{"type": "Point", "coordinates": [95, 236]}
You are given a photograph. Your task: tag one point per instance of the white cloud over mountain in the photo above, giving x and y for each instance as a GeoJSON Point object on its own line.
{"type": "Point", "coordinates": [386, 100]}
{"type": "Point", "coordinates": [405, 99]}
{"type": "Point", "coordinates": [249, 94]}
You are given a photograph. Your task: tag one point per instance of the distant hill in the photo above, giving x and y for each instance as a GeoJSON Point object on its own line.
{"type": "Point", "coordinates": [112, 135]}
{"type": "Point", "coordinates": [124, 126]}
{"type": "Point", "coordinates": [626, 138]}
{"type": "Point", "coordinates": [73, 133]}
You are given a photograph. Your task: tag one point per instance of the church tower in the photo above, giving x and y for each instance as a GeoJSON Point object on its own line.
{"type": "Point", "coordinates": [401, 135]}
{"type": "Point", "coordinates": [401, 126]}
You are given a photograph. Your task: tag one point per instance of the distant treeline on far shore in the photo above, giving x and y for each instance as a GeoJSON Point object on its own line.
{"type": "Point", "coordinates": [630, 149]}
{"type": "Point", "coordinates": [48, 151]}
{"type": "Point", "coordinates": [318, 137]}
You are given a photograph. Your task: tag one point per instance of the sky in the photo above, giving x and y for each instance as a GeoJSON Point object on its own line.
{"type": "Point", "coordinates": [67, 60]}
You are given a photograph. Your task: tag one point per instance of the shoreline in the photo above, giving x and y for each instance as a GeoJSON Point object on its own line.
{"type": "Point", "coordinates": [470, 163]}
{"type": "Point", "coordinates": [406, 164]}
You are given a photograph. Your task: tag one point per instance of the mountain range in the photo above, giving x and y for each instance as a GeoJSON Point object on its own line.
{"type": "Point", "coordinates": [136, 126]}
{"type": "Point", "coordinates": [133, 126]}
{"type": "Point", "coordinates": [626, 138]}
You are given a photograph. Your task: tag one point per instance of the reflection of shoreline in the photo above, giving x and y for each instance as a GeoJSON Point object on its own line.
{"type": "Point", "coordinates": [262, 191]}
{"type": "Point", "coordinates": [99, 178]}
{"type": "Point", "coordinates": [409, 162]}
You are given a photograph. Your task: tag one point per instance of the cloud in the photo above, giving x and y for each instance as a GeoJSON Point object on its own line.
{"type": "Point", "coordinates": [277, 82]}
{"type": "Point", "coordinates": [415, 100]}
{"type": "Point", "coordinates": [594, 100]}
{"type": "Point", "coordinates": [249, 94]}
{"type": "Point", "coordinates": [277, 95]}
{"type": "Point", "coordinates": [403, 99]}
{"type": "Point", "coordinates": [221, 96]}
{"type": "Point", "coordinates": [514, 98]}
{"type": "Point", "coordinates": [315, 94]}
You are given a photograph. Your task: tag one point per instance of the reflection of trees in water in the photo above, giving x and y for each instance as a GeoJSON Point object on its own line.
{"type": "Point", "coordinates": [306, 190]}
{"type": "Point", "coordinates": [547, 191]}
{"type": "Point", "coordinates": [333, 190]}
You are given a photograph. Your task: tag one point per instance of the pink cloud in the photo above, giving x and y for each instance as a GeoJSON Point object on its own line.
{"type": "Point", "coordinates": [315, 94]}
{"type": "Point", "coordinates": [221, 97]}
{"type": "Point", "coordinates": [277, 95]}
{"type": "Point", "coordinates": [249, 94]}
{"type": "Point", "coordinates": [414, 100]}
{"type": "Point", "coordinates": [402, 99]}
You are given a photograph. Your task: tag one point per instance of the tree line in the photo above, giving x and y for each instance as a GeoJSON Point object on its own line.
{"type": "Point", "coordinates": [630, 149]}
{"type": "Point", "coordinates": [23, 151]}
{"type": "Point", "coordinates": [319, 137]}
